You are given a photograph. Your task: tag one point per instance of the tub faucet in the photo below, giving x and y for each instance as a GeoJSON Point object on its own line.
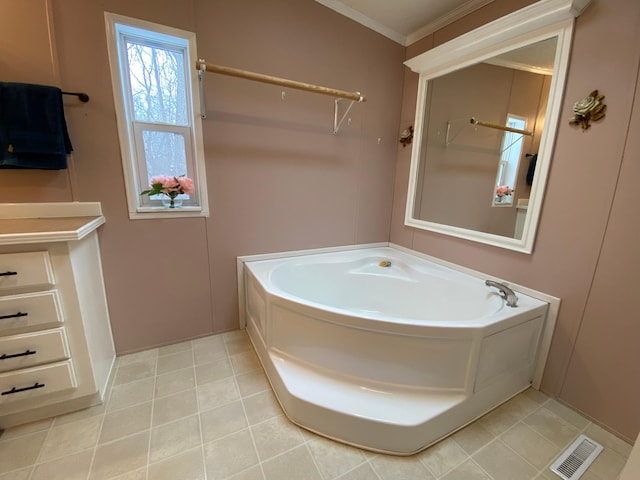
{"type": "Point", "coordinates": [506, 292]}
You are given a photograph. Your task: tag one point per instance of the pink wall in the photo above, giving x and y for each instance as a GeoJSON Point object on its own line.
{"type": "Point", "coordinates": [278, 178]}
{"type": "Point", "coordinates": [587, 241]}
{"type": "Point", "coordinates": [31, 60]}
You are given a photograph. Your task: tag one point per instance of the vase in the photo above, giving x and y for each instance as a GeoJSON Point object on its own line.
{"type": "Point", "coordinates": [169, 202]}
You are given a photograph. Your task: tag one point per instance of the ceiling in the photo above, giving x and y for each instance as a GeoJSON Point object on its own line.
{"type": "Point", "coordinates": [404, 21]}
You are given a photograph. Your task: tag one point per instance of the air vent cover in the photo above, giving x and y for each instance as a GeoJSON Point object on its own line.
{"type": "Point", "coordinates": [575, 460]}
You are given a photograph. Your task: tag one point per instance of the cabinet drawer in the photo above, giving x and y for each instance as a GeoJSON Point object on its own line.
{"type": "Point", "coordinates": [36, 382]}
{"type": "Point", "coordinates": [29, 310]}
{"type": "Point", "coordinates": [30, 349]}
{"type": "Point", "coordinates": [29, 269]}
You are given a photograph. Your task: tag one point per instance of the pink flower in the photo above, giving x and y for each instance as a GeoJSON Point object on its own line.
{"type": "Point", "coordinates": [169, 185]}
{"type": "Point", "coordinates": [161, 179]}
{"type": "Point", "coordinates": [503, 190]}
{"type": "Point", "coordinates": [186, 184]}
{"type": "Point", "coordinates": [166, 183]}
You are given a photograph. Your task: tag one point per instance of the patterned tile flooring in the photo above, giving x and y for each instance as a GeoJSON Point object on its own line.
{"type": "Point", "coordinates": [204, 410]}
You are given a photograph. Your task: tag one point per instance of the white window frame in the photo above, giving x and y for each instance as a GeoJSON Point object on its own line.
{"type": "Point", "coordinates": [507, 165]}
{"type": "Point", "coordinates": [129, 130]}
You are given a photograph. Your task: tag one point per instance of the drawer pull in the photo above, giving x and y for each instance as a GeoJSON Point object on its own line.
{"type": "Point", "coordinates": [4, 356]}
{"type": "Point", "coordinates": [14, 315]}
{"type": "Point", "coordinates": [23, 389]}
{"type": "Point", "coordinates": [8, 274]}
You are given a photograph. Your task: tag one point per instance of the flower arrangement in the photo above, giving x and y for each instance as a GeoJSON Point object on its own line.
{"type": "Point", "coordinates": [170, 186]}
{"type": "Point", "coordinates": [503, 190]}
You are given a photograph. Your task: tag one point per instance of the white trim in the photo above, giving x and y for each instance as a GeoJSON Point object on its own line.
{"type": "Point", "coordinates": [401, 38]}
{"type": "Point", "coordinates": [125, 124]}
{"type": "Point", "coordinates": [499, 62]}
{"type": "Point", "coordinates": [362, 19]}
{"type": "Point", "coordinates": [456, 14]}
{"type": "Point", "coordinates": [542, 20]}
{"type": "Point", "coordinates": [536, 22]}
{"type": "Point", "coordinates": [52, 236]}
{"type": "Point", "coordinates": [52, 209]}
{"type": "Point", "coordinates": [150, 213]}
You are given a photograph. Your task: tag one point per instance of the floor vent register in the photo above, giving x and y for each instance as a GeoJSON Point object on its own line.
{"type": "Point", "coordinates": [575, 460]}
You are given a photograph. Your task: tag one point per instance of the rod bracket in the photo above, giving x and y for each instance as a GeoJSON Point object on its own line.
{"type": "Point", "coordinates": [201, 71]}
{"type": "Point", "coordinates": [338, 123]}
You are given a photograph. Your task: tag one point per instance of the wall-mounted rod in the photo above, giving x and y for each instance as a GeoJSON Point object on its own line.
{"type": "Point", "coordinates": [474, 121]}
{"type": "Point", "coordinates": [82, 96]}
{"type": "Point", "coordinates": [259, 77]}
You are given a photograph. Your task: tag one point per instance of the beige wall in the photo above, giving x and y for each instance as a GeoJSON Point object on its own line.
{"type": "Point", "coordinates": [587, 249]}
{"type": "Point", "coordinates": [278, 178]}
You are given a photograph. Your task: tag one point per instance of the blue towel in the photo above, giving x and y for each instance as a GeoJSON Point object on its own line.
{"type": "Point", "coordinates": [33, 130]}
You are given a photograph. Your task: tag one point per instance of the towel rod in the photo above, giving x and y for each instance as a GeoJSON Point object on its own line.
{"type": "Point", "coordinates": [82, 96]}
{"type": "Point", "coordinates": [474, 121]}
{"type": "Point", "coordinates": [259, 77]}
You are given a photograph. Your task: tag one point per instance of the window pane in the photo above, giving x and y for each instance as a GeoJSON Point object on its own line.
{"type": "Point", "coordinates": [157, 81]}
{"type": "Point", "coordinates": [164, 153]}
{"type": "Point", "coordinates": [512, 145]}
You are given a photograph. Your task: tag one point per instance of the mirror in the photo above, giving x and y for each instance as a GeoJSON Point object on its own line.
{"type": "Point", "coordinates": [486, 116]}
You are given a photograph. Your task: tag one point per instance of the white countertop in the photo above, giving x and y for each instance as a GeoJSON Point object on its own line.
{"type": "Point", "coordinates": [22, 223]}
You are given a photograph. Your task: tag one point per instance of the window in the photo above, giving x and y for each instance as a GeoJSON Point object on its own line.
{"type": "Point", "coordinates": [155, 95]}
{"type": "Point", "coordinates": [509, 162]}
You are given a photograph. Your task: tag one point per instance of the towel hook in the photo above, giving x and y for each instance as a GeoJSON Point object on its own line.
{"type": "Point", "coordinates": [84, 98]}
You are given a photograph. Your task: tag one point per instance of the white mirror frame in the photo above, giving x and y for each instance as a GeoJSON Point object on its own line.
{"type": "Point", "coordinates": [537, 22]}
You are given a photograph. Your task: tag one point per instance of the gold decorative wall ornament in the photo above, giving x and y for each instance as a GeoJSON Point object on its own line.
{"type": "Point", "coordinates": [406, 136]}
{"type": "Point", "coordinates": [589, 109]}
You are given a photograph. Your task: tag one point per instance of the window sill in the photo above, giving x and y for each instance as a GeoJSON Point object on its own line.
{"type": "Point", "coordinates": [145, 213]}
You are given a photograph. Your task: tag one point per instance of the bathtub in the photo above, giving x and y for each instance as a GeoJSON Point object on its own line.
{"type": "Point", "coordinates": [382, 349]}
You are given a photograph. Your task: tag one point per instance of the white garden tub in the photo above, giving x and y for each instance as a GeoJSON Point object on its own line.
{"type": "Point", "coordinates": [388, 358]}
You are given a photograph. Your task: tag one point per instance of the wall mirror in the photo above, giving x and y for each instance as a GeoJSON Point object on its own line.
{"type": "Point", "coordinates": [487, 112]}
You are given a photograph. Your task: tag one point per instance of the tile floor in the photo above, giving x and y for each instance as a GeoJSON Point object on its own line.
{"type": "Point", "coordinates": [204, 410]}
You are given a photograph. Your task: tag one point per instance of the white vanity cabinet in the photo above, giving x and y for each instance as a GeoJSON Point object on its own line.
{"type": "Point", "coordinates": [56, 348]}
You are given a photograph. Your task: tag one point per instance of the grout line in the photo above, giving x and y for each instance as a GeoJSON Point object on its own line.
{"type": "Point", "coordinates": [244, 411]}
{"type": "Point", "coordinates": [368, 461]}
{"type": "Point", "coordinates": [44, 442]}
{"type": "Point", "coordinates": [521, 421]}
{"type": "Point", "coordinates": [95, 447]}
{"type": "Point", "coordinates": [347, 472]}
{"type": "Point", "coordinates": [35, 463]}
{"type": "Point", "coordinates": [313, 458]}
{"type": "Point", "coordinates": [153, 403]}
{"type": "Point", "coordinates": [527, 461]}
{"type": "Point", "coordinates": [490, 477]}
{"type": "Point", "coordinates": [227, 340]}
{"type": "Point", "coordinates": [195, 386]}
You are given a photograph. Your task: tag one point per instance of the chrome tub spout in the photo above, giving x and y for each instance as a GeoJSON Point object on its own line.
{"type": "Point", "coordinates": [505, 292]}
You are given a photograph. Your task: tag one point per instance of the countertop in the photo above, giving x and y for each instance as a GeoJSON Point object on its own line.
{"type": "Point", "coordinates": [38, 223]}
